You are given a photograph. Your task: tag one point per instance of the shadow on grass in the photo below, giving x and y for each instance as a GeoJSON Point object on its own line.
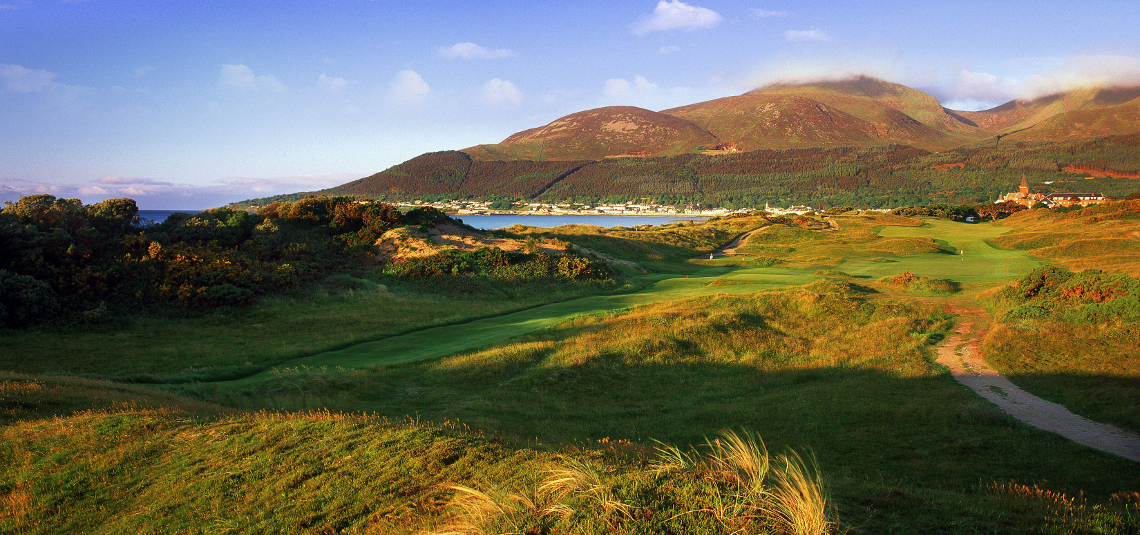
{"type": "Point", "coordinates": [923, 431]}
{"type": "Point", "coordinates": [1104, 398]}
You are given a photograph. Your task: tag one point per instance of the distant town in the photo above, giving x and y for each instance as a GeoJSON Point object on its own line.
{"type": "Point", "coordinates": [538, 208]}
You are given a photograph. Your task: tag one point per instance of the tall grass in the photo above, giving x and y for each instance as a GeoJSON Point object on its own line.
{"type": "Point", "coordinates": [799, 499]}
{"type": "Point", "coordinates": [499, 512]}
{"type": "Point", "coordinates": [745, 494]}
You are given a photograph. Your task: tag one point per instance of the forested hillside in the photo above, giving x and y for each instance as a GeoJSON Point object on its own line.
{"type": "Point", "coordinates": [870, 177]}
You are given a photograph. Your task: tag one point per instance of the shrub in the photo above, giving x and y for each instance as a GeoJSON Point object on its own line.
{"type": "Point", "coordinates": [25, 300]}
{"type": "Point", "coordinates": [495, 263]}
{"type": "Point", "coordinates": [920, 283]}
{"type": "Point", "coordinates": [1091, 296]}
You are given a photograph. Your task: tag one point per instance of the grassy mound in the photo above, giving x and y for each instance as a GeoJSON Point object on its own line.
{"type": "Point", "coordinates": [1096, 237]}
{"type": "Point", "coordinates": [1073, 338]}
{"type": "Point", "coordinates": [129, 468]}
{"type": "Point", "coordinates": [920, 284]}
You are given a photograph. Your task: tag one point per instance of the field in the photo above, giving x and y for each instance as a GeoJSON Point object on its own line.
{"type": "Point", "coordinates": [392, 409]}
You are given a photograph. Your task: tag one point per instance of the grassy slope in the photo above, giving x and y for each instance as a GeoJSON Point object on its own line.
{"type": "Point", "coordinates": [1098, 237]}
{"type": "Point", "coordinates": [133, 470]}
{"type": "Point", "coordinates": [910, 451]}
{"type": "Point", "coordinates": [1092, 369]}
{"type": "Point", "coordinates": [845, 373]}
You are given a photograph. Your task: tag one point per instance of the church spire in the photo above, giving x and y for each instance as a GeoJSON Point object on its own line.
{"type": "Point", "coordinates": [1024, 186]}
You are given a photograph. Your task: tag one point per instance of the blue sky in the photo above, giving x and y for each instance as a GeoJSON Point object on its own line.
{"type": "Point", "coordinates": [195, 104]}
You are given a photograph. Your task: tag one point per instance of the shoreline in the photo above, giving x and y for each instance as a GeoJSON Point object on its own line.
{"type": "Point", "coordinates": [710, 213]}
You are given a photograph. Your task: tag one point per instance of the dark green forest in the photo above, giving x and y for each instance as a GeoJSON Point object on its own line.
{"type": "Point", "coordinates": [877, 177]}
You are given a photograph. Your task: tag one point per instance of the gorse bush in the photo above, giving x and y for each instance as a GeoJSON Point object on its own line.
{"type": "Point", "coordinates": [498, 264]}
{"type": "Point", "coordinates": [921, 283]}
{"type": "Point", "coordinates": [1090, 296]}
{"type": "Point", "coordinates": [60, 257]}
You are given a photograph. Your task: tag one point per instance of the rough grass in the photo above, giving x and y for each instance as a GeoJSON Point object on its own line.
{"type": "Point", "coordinates": [1094, 370]}
{"type": "Point", "coordinates": [848, 374]}
{"type": "Point", "coordinates": [132, 469]}
{"type": "Point", "coordinates": [1072, 338]}
{"type": "Point", "coordinates": [569, 414]}
{"type": "Point", "coordinates": [1103, 237]}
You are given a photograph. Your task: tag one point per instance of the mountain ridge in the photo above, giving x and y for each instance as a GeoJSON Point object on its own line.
{"type": "Point", "coordinates": [860, 141]}
{"type": "Point", "coordinates": [860, 111]}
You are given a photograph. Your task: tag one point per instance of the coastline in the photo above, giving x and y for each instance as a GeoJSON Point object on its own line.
{"type": "Point", "coordinates": [703, 213]}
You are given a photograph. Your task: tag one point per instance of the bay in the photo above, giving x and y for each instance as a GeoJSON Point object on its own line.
{"type": "Point", "coordinates": [494, 221]}
{"type": "Point", "coordinates": [158, 216]}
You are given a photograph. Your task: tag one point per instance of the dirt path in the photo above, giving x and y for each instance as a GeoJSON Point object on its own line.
{"type": "Point", "coordinates": [960, 353]}
{"type": "Point", "coordinates": [730, 249]}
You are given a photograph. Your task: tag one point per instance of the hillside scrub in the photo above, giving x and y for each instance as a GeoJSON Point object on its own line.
{"type": "Point", "coordinates": [92, 264]}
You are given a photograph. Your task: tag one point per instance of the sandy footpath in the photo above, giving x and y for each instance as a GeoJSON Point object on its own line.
{"type": "Point", "coordinates": [960, 354]}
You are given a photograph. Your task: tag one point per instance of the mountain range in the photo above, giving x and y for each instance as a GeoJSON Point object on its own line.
{"type": "Point", "coordinates": [860, 141]}
{"type": "Point", "coordinates": [857, 112]}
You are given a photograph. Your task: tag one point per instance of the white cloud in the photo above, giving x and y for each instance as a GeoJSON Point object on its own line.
{"type": "Point", "coordinates": [24, 80]}
{"type": "Point", "coordinates": [242, 78]}
{"type": "Point", "coordinates": [677, 15]}
{"type": "Point", "coordinates": [333, 84]}
{"type": "Point", "coordinates": [142, 70]}
{"type": "Point", "coordinates": [501, 91]}
{"type": "Point", "coordinates": [409, 86]}
{"type": "Point", "coordinates": [800, 36]}
{"type": "Point", "coordinates": [981, 88]}
{"type": "Point", "coordinates": [764, 13]}
{"type": "Point", "coordinates": [153, 194]}
{"type": "Point", "coordinates": [473, 51]}
{"type": "Point", "coordinates": [669, 49]}
{"type": "Point", "coordinates": [1084, 71]}
{"type": "Point", "coordinates": [620, 87]}
{"type": "Point", "coordinates": [115, 180]}
{"type": "Point", "coordinates": [969, 90]}
{"type": "Point", "coordinates": [9, 7]}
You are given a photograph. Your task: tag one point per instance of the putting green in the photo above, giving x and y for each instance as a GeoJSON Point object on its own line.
{"type": "Point", "coordinates": [979, 263]}
{"type": "Point", "coordinates": [977, 260]}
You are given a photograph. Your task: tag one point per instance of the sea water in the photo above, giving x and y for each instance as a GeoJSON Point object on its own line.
{"type": "Point", "coordinates": [494, 221]}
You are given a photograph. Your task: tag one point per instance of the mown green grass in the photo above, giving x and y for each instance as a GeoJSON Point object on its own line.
{"type": "Point", "coordinates": [233, 343]}
{"type": "Point", "coordinates": [444, 341]}
{"type": "Point", "coordinates": [967, 259]}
